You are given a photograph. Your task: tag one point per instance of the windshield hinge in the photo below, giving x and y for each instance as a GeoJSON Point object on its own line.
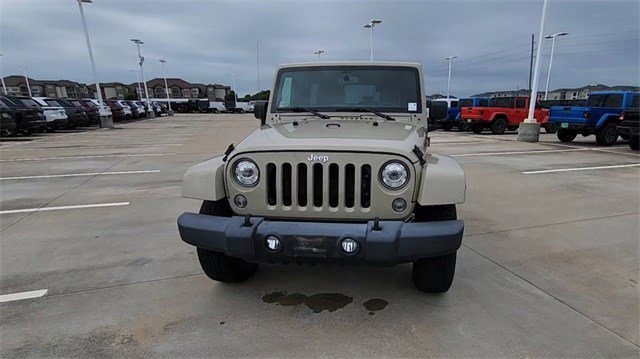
{"type": "Point", "coordinates": [228, 152]}
{"type": "Point", "coordinates": [418, 152]}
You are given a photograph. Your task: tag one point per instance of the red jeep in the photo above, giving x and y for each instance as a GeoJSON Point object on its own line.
{"type": "Point", "coordinates": [503, 113]}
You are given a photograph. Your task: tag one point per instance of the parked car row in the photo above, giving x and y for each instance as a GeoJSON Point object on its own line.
{"type": "Point", "coordinates": [122, 110]}
{"type": "Point", "coordinates": [605, 114]}
{"type": "Point", "coordinates": [206, 106]}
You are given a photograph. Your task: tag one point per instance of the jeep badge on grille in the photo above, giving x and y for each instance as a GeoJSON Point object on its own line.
{"type": "Point", "coordinates": [317, 158]}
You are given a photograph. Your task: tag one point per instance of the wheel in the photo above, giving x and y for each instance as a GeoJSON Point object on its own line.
{"type": "Point", "coordinates": [498, 126]}
{"type": "Point", "coordinates": [446, 126]}
{"type": "Point", "coordinates": [634, 142]}
{"type": "Point", "coordinates": [463, 126]}
{"type": "Point", "coordinates": [218, 266]}
{"type": "Point", "coordinates": [550, 128]}
{"type": "Point", "coordinates": [607, 135]}
{"type": "Point", "coordinates": [477, 128]}
{"type": "Point", "coordinates": [241, 111]}
{"type": "Point", "coordinates": [566, 136]}
{"type": "Point", "coordinates": [215, 110]}
{"type": "Point", "coordinates": [435, 274]}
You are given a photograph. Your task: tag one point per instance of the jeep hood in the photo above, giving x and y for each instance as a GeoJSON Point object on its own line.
{"type": "Point", "coordinates": [337, 135]}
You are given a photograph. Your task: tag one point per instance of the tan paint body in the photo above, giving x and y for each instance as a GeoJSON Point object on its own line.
{"type": "Point", "coordinates": [351, 138]}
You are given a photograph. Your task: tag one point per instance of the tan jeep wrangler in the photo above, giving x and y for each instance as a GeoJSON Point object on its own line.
{"type": "Point", "coordinates": [337, 172]}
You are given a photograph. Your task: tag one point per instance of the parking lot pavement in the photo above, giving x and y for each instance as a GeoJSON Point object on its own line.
{"type": "Point", "coordinates": [548, 267]}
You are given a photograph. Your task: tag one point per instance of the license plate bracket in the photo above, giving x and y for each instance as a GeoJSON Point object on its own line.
{"type": "Point", "coordinates": [564, 125]}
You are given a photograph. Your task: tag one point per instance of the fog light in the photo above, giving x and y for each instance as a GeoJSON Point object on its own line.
{"type": "Point", "coordinates": [273, 243]}
{"type": "Point", "coordinates": [240, 201]}
{"type": "Point", "coordinates": [349, 245]}
{"type": "Point", "coordinates": [399, 204]}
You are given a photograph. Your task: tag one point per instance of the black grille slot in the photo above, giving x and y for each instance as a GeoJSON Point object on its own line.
{"type": "Point", "coordinates": [317, 185]}
{"type": "Point", "coordinates": [365, 187]}
{"type": "Point", "coordinates": [271, 184]}
{"type": "Point", "coordinates": [349, 185]}
{"type": "Point", "coordinates": [286, 184]}
{"type": "Point", "coordinates": [302, 185]}
{"type": "Point", "coordinates": [334, 183]}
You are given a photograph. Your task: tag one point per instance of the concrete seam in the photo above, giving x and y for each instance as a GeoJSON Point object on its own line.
{"type": "Point", "coordinates": [550, 224]}
{"type": "Point", "coordinates": [552, 296]}
{"type": "Point", "coordinates": [63, 194]}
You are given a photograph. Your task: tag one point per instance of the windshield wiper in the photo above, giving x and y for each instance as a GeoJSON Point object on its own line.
{"type": "Point", "coordinates": [362, 109]}
{"type": "Point", "coordinates": [304, 109]}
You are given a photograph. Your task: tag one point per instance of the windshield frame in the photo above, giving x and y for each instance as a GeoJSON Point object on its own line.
{"type": "Point", "coordinates": [279, 110]}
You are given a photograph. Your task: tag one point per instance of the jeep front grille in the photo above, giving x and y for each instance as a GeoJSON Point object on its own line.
{"type": "Point", "coordinates": [331, 185]}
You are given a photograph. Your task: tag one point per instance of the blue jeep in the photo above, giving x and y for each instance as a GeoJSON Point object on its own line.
{"type": "Point", "coordinates": [453, 114]}
{"type": "Point", "coordinates": [598, 116]}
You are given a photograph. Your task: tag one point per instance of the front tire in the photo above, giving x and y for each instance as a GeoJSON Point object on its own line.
{"type": "Point", "coordinates": [435, 274]}
{"type": "Point", "coordinates": [566, 136]}
{"type": "Point", "coordinates": [607, 135]}
{"type": "Point", "coordinates": [219, 266]}
{"type": "Point", "coordinates": [550, 128]}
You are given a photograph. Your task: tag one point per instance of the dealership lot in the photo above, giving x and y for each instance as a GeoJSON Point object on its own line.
{"type": "Point", "coordinates": [91, 263]}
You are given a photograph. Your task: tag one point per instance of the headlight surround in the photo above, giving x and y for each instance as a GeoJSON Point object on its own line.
{"type": "Point", "coordinates": [394, 175]}
{"type": "Point", "coordinates": [246, 172]}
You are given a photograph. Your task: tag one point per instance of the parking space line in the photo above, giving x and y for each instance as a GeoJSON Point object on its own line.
{"type": "Point", "coordinates": [80, 147]}
{"type": "Point", "coordinates": [41, 209]}
{"type": "Point", "coordinates": [80, 174]}
{"type": "Point", "coordinates": [516, 152]}
{"type": "Point", "coordinates": [83, 157]}
{"type": "Point", "coordinates": [22, 295]}
{"type": "Point", "coordinates": [581, 169]}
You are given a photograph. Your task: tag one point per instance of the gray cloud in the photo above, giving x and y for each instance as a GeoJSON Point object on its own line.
{"type": "Point", "coordinates": [204, 40]}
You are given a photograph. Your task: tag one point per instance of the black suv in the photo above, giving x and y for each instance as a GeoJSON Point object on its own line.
{"type": "Point", "coordinates": [28, 119]}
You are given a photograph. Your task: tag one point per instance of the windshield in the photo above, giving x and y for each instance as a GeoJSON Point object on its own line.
{"type": "Point", "coordinates": [29, 102]}
{"type": "Point", "coordinates": [465, 103]}
{"type": "Point", "coordinates": [330, 88]}
{"type": "Point", "coordinates": [53, 103]}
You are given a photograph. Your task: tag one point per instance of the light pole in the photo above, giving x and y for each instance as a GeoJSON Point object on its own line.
{"type": "Point", "coordinates": [370, 25]}
{"type": "Point", "coordinates": [105, 121]}
{"type": "Point", "coordinates": [450, 59]}
{"type": "Point", "coordinates": [4, 87]}
{"type": "Point", "coordinates": [166, 88]}
{"type": "Point", "coordinates": [137, 72]}
{"type": "Point", "coordinates": [319, 52]}
{"type": "Point", "coordinates": [553, 47]}
{"type": "Point", "coordinates": [529, 130]}
{"type": "Point", "coordinates": [150, 113]}
{"type": "Point", "coordinates": [233, 79]}
{"type": "Point", "coordinates": [26, 78]}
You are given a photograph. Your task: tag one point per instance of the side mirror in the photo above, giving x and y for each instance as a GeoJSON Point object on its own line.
{"type": "Point", "coordinates": [260, 111]}
{"type": "Point", "coordinates": [438, 110]}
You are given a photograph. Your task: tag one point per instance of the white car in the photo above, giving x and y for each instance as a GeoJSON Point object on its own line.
{"type": "Point", "coordinates": [127, 110]}
{"type": "Point", "coordinates": [242, 107]}
{"type": "Point", "coordinates": [56, 116]}
{"type": "Point", "coordinates": [104, 111]}
{"type": "Point", "coordinates": [451, 102]}
{"type": "Point", "coordinates": [217, 106]}
{"type": "Point", "coordinates": [251, 106]}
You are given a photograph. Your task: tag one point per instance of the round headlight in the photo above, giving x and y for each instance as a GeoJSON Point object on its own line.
{"type": "Point", "coordinates": [247, 173]}
{"type": "Point", "coordinates": [394, 175]}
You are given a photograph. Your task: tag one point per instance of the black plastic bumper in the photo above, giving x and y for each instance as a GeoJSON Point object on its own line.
{"type": "Point", "coordinates": [629, 131]}
{"type": "Point", "coordinates": [394, 242]}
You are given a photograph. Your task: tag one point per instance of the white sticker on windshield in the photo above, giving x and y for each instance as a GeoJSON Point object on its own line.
{"type": "Point", "coordinates": [412, 106]}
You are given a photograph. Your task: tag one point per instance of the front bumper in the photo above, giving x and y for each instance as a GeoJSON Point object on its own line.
{"type": "Point", "coordinates": [394, 242]}
{"type": "Point", "coordinates": [628, 130]}
{"type": "Point", "coordinates": [58, 124]}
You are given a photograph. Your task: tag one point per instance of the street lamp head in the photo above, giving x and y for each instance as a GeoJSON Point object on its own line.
{"type": "Point", "coordinates": [163, 61]}
{"type": "Point", "coordinates": [556, 34]}
{"type": "Point", "coordinates": [376, 21]}
{"type": "Point", "coordinates": [87, 1]}
{"type": "Point", "coordinates": [137, 41]}
{"type": "Point", "coordinates": [451, 57]}
{"type": "Point", "coordinates": [368, 26]}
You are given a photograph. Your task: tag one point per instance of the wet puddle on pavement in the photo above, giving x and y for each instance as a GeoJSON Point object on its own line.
{"type": "Point", "coordinates": [321, 301]}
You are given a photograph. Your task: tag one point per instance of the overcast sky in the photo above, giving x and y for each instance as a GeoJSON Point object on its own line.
{"type": "Point", "coordinates": [204, 40]}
